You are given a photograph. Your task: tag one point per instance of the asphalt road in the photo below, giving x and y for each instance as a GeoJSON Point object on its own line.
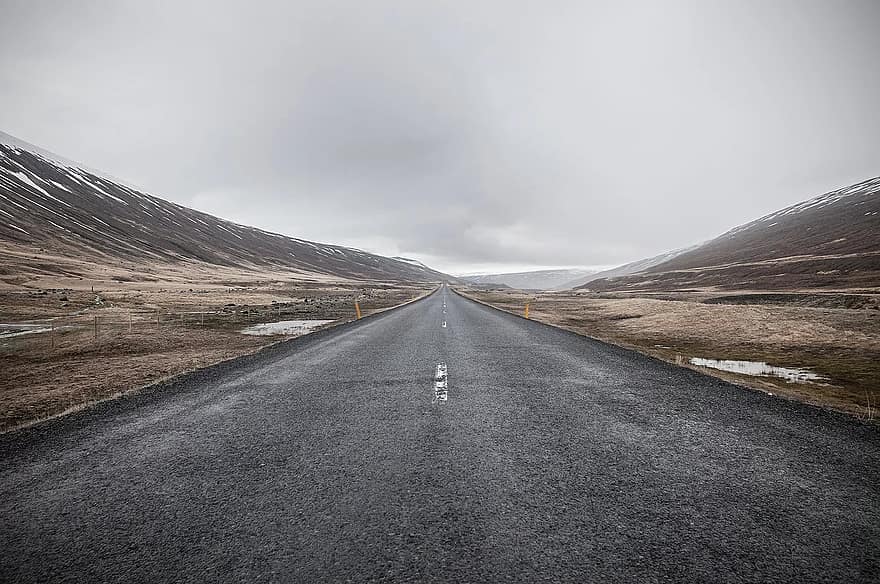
{"type": "Point", "coordinates": [554, 458]}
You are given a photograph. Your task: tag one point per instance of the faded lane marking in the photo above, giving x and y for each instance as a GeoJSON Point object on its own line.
{"type": "Point", "coordinates": [440, 384]}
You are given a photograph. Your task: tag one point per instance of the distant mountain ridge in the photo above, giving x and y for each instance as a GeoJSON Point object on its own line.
{"type": "Point", "coordinates": [626, 269]}
{"type": "Point", "coordinates": [536, 280]}
{"type": "Point", "coordinates": [828, 241]}
{"type": "Point", "coordinates": [53, 204]}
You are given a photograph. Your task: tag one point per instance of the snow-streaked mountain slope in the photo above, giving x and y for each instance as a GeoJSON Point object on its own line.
{"type": "Point", "coordinates": [829, 241]}
{"type": "Point", "coordinates": [52, 204]}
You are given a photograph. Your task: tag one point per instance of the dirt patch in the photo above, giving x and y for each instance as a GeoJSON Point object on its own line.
{"type": "Point", "coordinates": [841, 344]}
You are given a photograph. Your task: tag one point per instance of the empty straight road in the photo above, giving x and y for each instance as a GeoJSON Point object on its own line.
{"type": "Point", "coordinates": [554, 458]}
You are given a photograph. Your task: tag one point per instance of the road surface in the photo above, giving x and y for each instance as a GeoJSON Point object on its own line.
{"type": "Point", "coordinates": [553, 458]}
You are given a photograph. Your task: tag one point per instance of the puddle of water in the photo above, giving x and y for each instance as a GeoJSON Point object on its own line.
{"type": "Point", "coordinates": [759, 368]}
{"type": "Point", "coordinates": [16, 330]}
{"type": "Point", "coordinates": [285, 327]}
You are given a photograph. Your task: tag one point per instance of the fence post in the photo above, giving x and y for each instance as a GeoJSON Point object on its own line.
{"type": "Point", "coordinates": [357, 309]}
{"type": "Point", "coordinates": [96, 326]}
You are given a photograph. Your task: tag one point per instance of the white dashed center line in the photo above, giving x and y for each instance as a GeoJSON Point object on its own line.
{"type": "Point", "coordinates": [440, 384]}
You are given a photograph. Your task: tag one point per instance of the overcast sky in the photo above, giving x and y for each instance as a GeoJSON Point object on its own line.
{"type": "Point", "coordinates": [471, 135]}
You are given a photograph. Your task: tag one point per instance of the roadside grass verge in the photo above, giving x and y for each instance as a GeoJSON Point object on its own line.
{"type": "Point", "coordinates": [842, 345]}
{"type": "Point", "coordinates": [48, 374]}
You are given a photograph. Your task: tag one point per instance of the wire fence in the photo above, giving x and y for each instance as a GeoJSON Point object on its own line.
{"type": "Point", "coordinates": [114, 322]}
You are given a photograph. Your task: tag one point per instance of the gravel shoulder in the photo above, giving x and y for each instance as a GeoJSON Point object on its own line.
{"type": "Point", "coordinates": [96, 345]}
{"type": "Point", "coordinates": [836, 336]}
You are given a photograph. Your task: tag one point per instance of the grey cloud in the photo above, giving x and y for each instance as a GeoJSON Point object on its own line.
{"type": "Point", "coordinates": [464, 133]}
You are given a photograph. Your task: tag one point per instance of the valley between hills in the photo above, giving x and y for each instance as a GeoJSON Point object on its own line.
{"type": "Point", "coordinates": [105, 289]}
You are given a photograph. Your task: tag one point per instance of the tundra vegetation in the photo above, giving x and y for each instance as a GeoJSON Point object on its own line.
{"type": "Point", "coordinates": [834, 334]}
{"type": "Point", "coordinates": [65, 343]}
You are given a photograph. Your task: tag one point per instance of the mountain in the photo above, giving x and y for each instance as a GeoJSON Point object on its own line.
{"type": "Point", "coordinates": [411, 262]}
{"type": "Point", "coordinates": [537, 280]}
{"type": "Point", "coordinates": [67, 220]}
{"type": "Point", "coordinates": [625, 269]}
{"type": "Point", "coordinates": [830, 241]}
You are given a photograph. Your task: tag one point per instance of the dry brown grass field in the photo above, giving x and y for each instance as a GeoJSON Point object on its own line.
{"type": "Point", "coordinates": [836, 335]}
{"type": "Point", "coordinates": [86, 340]}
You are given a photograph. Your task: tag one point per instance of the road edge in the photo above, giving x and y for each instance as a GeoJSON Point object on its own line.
{"type": "Point", "coordinates": [849, 415]}
{"type": "Point", "coordinates": [169, 383]}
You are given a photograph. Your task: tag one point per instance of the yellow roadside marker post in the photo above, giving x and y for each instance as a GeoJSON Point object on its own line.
{"type": "Point", "coordinates": [527, 310]}
{"type": "Point", "coordinates": [357, 309]}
